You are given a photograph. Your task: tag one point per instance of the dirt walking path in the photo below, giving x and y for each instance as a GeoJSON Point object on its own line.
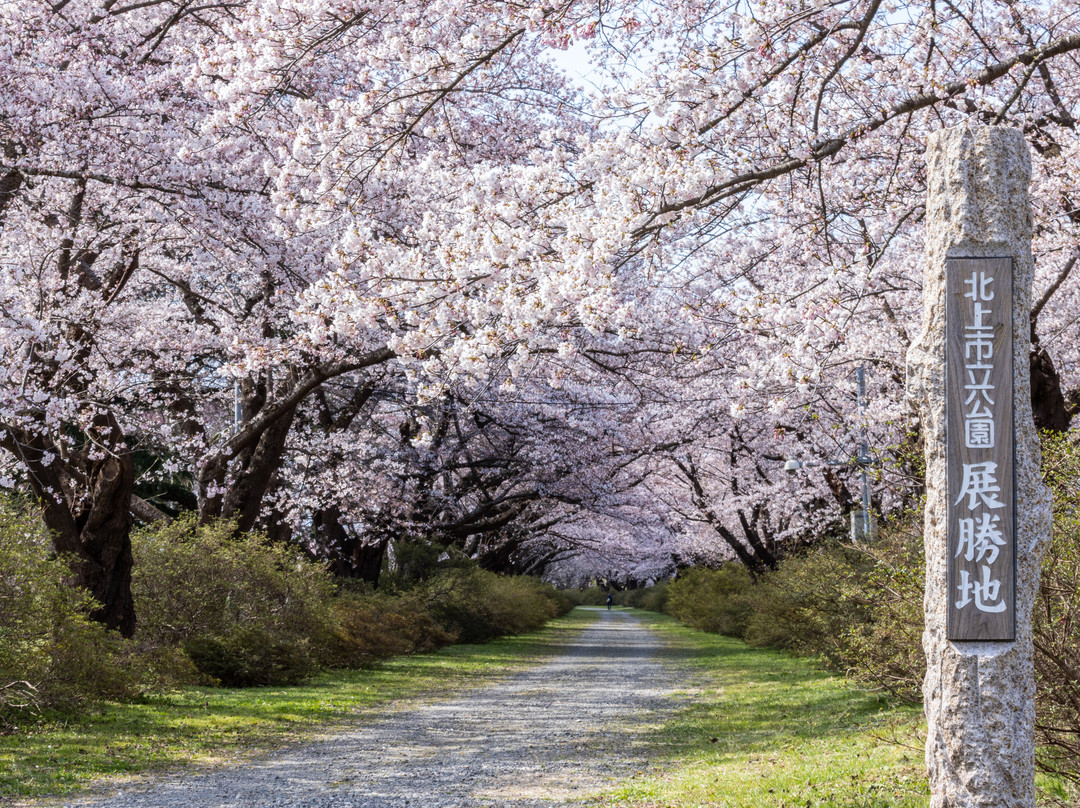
{"type": "Point", "coordinates": [550, 736]}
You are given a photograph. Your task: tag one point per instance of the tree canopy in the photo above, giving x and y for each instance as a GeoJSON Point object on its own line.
{"type": "Point", "coordinates": [359, 272]}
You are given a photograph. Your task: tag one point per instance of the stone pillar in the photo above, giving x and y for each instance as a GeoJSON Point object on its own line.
{"type": "Point", "coordinates": [979, 696]}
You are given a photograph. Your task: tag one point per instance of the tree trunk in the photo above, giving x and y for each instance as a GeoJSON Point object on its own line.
{"type": "Point", "coordinates": [1047, 399]}
{"type": "Point", "coordinates": [367, 561]}
{"type": "Point", "coordinates": [86, 504]}
{"type": "Point", "coordinates": [754, 563]}
{"type": "Point", "coordinates": [251, 480]}
{"type": "Point", "coordinates": [753, 538]}
{"type": "Point", "coordinates": [498, 556]}
{"type": "Point", "coordinates": [350, 557]}
{"type": "Point", "coordinates": [245, 497]}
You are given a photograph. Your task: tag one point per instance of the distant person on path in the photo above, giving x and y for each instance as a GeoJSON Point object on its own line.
{"type": "Point", "coordinates": [609, 601]}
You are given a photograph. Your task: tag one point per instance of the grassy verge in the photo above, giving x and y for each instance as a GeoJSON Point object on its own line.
{"type": "Point", "coordinates": [762, 729]}
{"type": "Point", "coordinates": [60, 754]}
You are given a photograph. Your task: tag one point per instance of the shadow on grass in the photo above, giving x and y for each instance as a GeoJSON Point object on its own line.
{"type": "Point", "coordinates": [763, 728]}
{"type": "Point", "coordinates": [756, 697]}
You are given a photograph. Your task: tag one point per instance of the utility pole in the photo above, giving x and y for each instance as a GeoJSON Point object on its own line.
{"type": "Point", "coordinates": [864, 460]}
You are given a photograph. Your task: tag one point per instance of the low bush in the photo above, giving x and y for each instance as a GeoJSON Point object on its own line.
{"type": "Point", "coordinates": [884, 648]}
{"type": "Point", "coordinates": [51, 654]}
{"type": "Point", "coordinates": [590, 596]}
{"type": "Point", "coordinates": [214, 606]}
{"type": "Point", "coordinates": [368, 626]}
{"type": "Point", "coordinates": [711, 600]}
{"type": "Point", "coordinates": [650, 598]}
{"type": "Point", "coordinates": [1057, 616]}
{"type": "Point", "coordinates": [476, 605]}
{"type": "Point", "coordinates": [656, 597]}
{"type": "Point", "coordinates": [246, 612]}
{"type": "Point", "coordinates": [856, 607]}
{"type": "Point", "coordinates": [251, 655]}
{"type": "Point", "coordinates": [809, 604]}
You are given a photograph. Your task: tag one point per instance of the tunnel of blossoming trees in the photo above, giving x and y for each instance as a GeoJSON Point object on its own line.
{"type": "Point", "coordinates": [369, 275]}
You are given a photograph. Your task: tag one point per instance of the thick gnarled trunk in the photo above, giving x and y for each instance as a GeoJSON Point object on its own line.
{"type": "Point", "coordinates": [86, 505]}
{"type": "Point", "coordinates": [351, 558]}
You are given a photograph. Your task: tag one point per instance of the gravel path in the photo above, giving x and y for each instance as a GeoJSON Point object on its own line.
{"type": "Point", "coordinates": [546, 737]}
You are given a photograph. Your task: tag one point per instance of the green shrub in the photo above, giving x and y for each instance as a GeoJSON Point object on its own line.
{"type": "Point", "coordinates": [51, 653]}
{"type": "Point", "coordinates": [590, 596]}
{"type": "Point", "coordinates": [712, 600]}
{"type": "Point", "coordinates": [805, 605]}
{"type": "Point", "coordinates": [650, 598]}
{"type": "Point", "coordinates": [244, 610]}
{"type": "Point", "coordinates": [885, 648]}
{"type": "Point", "coordinates": [250, 655]}
{"type": "Point", "coordinates": [858, 608]}
{"type": "Point", "coordinates": [418, 559]}
{"type": "Point", "coordinates": [476, 605]}
{"type": "Point", "coordinates": [460, 604]}
{"type": "Point", "coordinates": [655, 598]}
{"type": "Point", "coordinates": [369, 626]}
{"type": "Point", "coordinates": [229, 608]}
{"type": "Point", "coordinates": [1057, 616]}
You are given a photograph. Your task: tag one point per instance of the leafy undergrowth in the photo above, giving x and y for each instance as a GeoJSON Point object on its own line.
{"type": "Point", "coordinates": [209, 725]}
{"type": "Point", "coordinates": [763, 729]}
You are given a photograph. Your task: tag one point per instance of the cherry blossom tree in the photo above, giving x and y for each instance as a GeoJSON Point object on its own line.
{"type": "Point", "coordinates": [159, 258]}
{"type": "Point", "coordinates": [768, 179]}
{"type": "Point", "coordinates": [360, 270]}
{"type": "Point", "coordinates": [90, 200]}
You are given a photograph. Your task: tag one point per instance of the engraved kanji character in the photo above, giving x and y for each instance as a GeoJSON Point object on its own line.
{"type": "Point", "coordinates": [980, 539]}
{"type": "Point", "coordinates": [980, 484]}
{"type": "Point", "coordinates": [983, 592]}
{"type": "Point", "coordinates": [981, 345]}
{"type": "Point", "coordinates": [980, 311]}
{"type": "Point", "coordinates": [975, 387]}
{"type": "Point", "coordinates": [979, 433]}
{"type": "Point", "coordinates": [979, 283]}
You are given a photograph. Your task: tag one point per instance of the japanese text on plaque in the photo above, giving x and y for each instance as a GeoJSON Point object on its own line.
{"type": "Point", "coordinates": [979, 401]}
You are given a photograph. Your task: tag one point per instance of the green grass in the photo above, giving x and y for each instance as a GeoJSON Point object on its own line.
{"type": "Point", "coordinates": [754, 728]}
{"type": "Point", "coordinates": [762, 729]}
{"type": "Point", "coordinates": [59, 755]}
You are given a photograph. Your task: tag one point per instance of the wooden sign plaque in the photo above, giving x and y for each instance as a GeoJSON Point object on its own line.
{"type": "Point", "coordinates": [980, 447]}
